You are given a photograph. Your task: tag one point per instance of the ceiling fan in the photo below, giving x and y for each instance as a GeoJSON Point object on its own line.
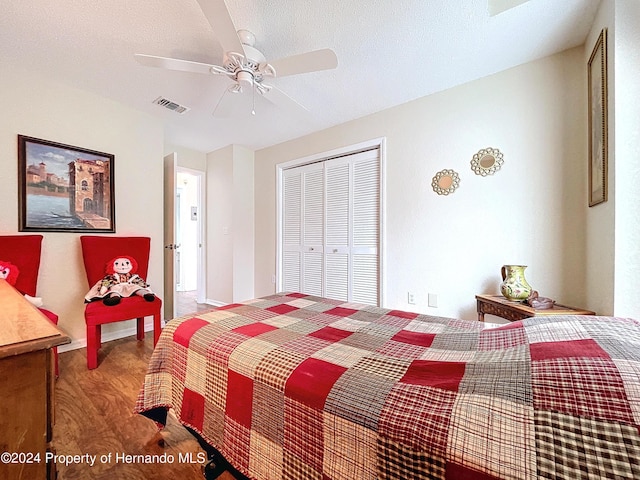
{"type": "Point", "coordinates": [244, 64]}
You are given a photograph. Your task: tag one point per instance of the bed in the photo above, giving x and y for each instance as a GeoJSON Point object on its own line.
{"type": "Point", "coordinates": [302, 387]}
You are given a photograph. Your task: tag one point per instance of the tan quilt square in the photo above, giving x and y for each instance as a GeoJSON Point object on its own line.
{"type": "Point", "coordinates": [494, 436]}
{"type": "Point", "coordinates": [246, 357]}
{"type": "Point", "coordinates": [195, 378]}
{"type": "Point", "coordinates": [265, 460]}
{"type": "Point", "coordinates": [630, 372]}
{"type": "Point", "coordinates": [343, 355]}
{"type": "Point", "coordinates": [349, 450]}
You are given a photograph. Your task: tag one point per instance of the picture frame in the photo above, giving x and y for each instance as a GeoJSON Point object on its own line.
{"type": "Point", "coordinates": [62, 188]}
{"type": "Point", "coordinates": [598, 141]}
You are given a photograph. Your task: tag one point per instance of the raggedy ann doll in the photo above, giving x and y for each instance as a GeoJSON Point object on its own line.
{"type": "Point", "coordinates": [10, 272]}
{"type": "Point", "coordinates": [121, 280]}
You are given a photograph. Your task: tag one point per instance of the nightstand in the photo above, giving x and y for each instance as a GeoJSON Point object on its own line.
{"type": "Point", "coordinates": [501, 307]}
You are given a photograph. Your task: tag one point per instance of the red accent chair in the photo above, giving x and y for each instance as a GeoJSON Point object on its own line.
{"type": "Point", "coordinates": [24, 252]}
{"type": "Point", "coordinates": [96, 252]}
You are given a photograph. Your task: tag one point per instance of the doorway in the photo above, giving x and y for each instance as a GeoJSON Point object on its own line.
{"type": "Point", "coordinates": [188, 262]}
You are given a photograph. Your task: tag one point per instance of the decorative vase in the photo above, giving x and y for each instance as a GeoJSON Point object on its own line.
{"type": "Point", "coordinates": [514, 286]}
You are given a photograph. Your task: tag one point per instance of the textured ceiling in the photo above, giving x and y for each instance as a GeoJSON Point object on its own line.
{"type": "Point", "coordinates": [389, 52]}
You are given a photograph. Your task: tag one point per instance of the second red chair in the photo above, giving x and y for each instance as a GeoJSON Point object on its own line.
{"type": "Point", "coordinates": [97, 251]}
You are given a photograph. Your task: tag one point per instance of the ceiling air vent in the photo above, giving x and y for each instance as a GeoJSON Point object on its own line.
{"type": "Point", "coordinates": [176, 107]}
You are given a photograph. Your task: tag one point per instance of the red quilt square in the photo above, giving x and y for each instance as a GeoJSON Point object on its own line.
{"type": "Point", "coordinates": [296, 295]}
{"type": "Point", "coordinates": [460, 472]}
{"type": "Point", "coordinates": [192, 411]}
{"type": "Point", "coordinates": [582, 387]}
{"type": "Point", "coordinates": [402, 314]}
{"type": "Point", "coordinates": [415, 417]}
{"type": "Point", "coordinates": [311, 382]}
{"type": "Point", "coordinates": [282, 309]}
{"type": "Point", "coordinates": [414, 338]}
{"type": "Point", "coordinates": [341, 311]}
{"type": "Point", "coordinates": [443, 375]}
{"type": "Point", "coordinates": [331, 334]}
{"type": "Point", "coordinates": [230, 306]}
{"type": "Point", "coordinates": [186, 329]}
{"type": "Point", "coordinates": [254, 329]}
{"type": "Point", "coordinates": [567, 349]}
{"type": "Point", "coordinates": [511, 325]}
{"type": "Point", "coordinates": [239, 398]}
{"type": "Point", "coordinates": [303, 442]}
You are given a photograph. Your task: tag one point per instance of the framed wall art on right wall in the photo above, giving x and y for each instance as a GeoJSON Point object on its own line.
{"type": "Point", "coordinates": [597, 86]}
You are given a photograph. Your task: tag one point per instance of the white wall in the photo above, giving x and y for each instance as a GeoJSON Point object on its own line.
{"type": "Point", "coordinates": [625, 45]}
{"type": "Point", "coordinates": [39, 108]}
{"type": "Point", "coordinates": [531, 212]}
{"type": "Point", "coordinates": [188, 158]}
{"type": "Point", "coordinates": [613, 227]}
{"type": "Point", "coordinates": [219, 222]}
{"type": "Point", "coordinates": [600, 219]}
{"type": "Point", "coordinates": [230, 225]}
{"type": "Point", "coordinates": [243, 224]}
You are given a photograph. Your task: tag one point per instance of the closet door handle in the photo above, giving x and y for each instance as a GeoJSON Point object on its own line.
{"type": "Point", "coordinates": [311, 249]}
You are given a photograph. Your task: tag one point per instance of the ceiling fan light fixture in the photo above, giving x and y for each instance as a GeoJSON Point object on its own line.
{"type": "Point", "coordinates": [245, 78]}
{"type": "Point", "coordinates": [262, 88]}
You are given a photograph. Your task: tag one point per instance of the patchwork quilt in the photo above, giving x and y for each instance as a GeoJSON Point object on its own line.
{"type": "Point", "coordinates": [301, 387]}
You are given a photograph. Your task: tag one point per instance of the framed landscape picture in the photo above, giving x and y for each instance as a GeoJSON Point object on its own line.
{"type": "Point", "coordinates": [597, 86]}
{"type": "Point", "coordinates": [62, 188]}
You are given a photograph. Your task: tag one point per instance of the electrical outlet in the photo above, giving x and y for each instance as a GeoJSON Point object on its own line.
{"type": "Point", "coordinates": [273, 279]}
{"type": "Point", "coordinates": [411, 299]}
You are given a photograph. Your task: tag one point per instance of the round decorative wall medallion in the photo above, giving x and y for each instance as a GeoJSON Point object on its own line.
{"type": "Point", "coordinates": [445, 182]}
{"type": "Point", "coordinates": [487, 161]}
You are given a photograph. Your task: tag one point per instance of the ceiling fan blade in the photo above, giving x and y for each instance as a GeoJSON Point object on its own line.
{"type": "Point", "coordinates": [174, 64]}
{"type": "Point", "coordinates": [235, 105]}
{"type": "Point", "coordinates": [247, 102]}
{"type": "Point", "coordinates": [285, 102]}
{"type": "Point", "coordinates": [324, 59]}
{"type": "Point", "coordinates": [220, 20]}
{"type": "Point", "coordinates": [224, 107]}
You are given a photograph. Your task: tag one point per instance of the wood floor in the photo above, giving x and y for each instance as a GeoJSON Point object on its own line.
{"type": "Point", "coordinates": [94, 416]}
{"type": "Point", "coordinates": [186, 303]}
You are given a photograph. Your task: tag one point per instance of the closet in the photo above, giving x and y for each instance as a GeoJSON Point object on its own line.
{"type": "Point", "coordinates": [330, 227]}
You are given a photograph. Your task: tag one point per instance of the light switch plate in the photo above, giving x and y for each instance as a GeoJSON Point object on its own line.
{"type": "Point", "coordinates": [433, 300]}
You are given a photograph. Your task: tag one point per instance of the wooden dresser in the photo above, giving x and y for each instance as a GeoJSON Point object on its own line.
{"type": "Point", "coordinates": [26, 386]}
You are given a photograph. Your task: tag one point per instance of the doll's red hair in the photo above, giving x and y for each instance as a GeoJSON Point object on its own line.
{"type": "Point", "coordinates": [134, 265]}
{"type": "Point", "coordinates": [13, 271]}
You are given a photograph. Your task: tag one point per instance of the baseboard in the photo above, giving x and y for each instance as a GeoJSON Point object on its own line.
{"type": "Point", "coordinates": [107, 337]}
{"type": "Point", "coordinates": [215, 303]}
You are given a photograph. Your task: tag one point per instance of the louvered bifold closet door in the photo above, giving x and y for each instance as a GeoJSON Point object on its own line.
{"type": "Point", "coordinates": [312, 228]}
{"type": "Point", "coordinates": [338, 192]}
{"type": "Point", "coordinates": [291, 230]}
{"type": "Point", "coordinates": [366, 227]}
{"type": "Point", "coordinates": [331, 225]}
{"type": "Point", "coordinates": [303, 229]}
